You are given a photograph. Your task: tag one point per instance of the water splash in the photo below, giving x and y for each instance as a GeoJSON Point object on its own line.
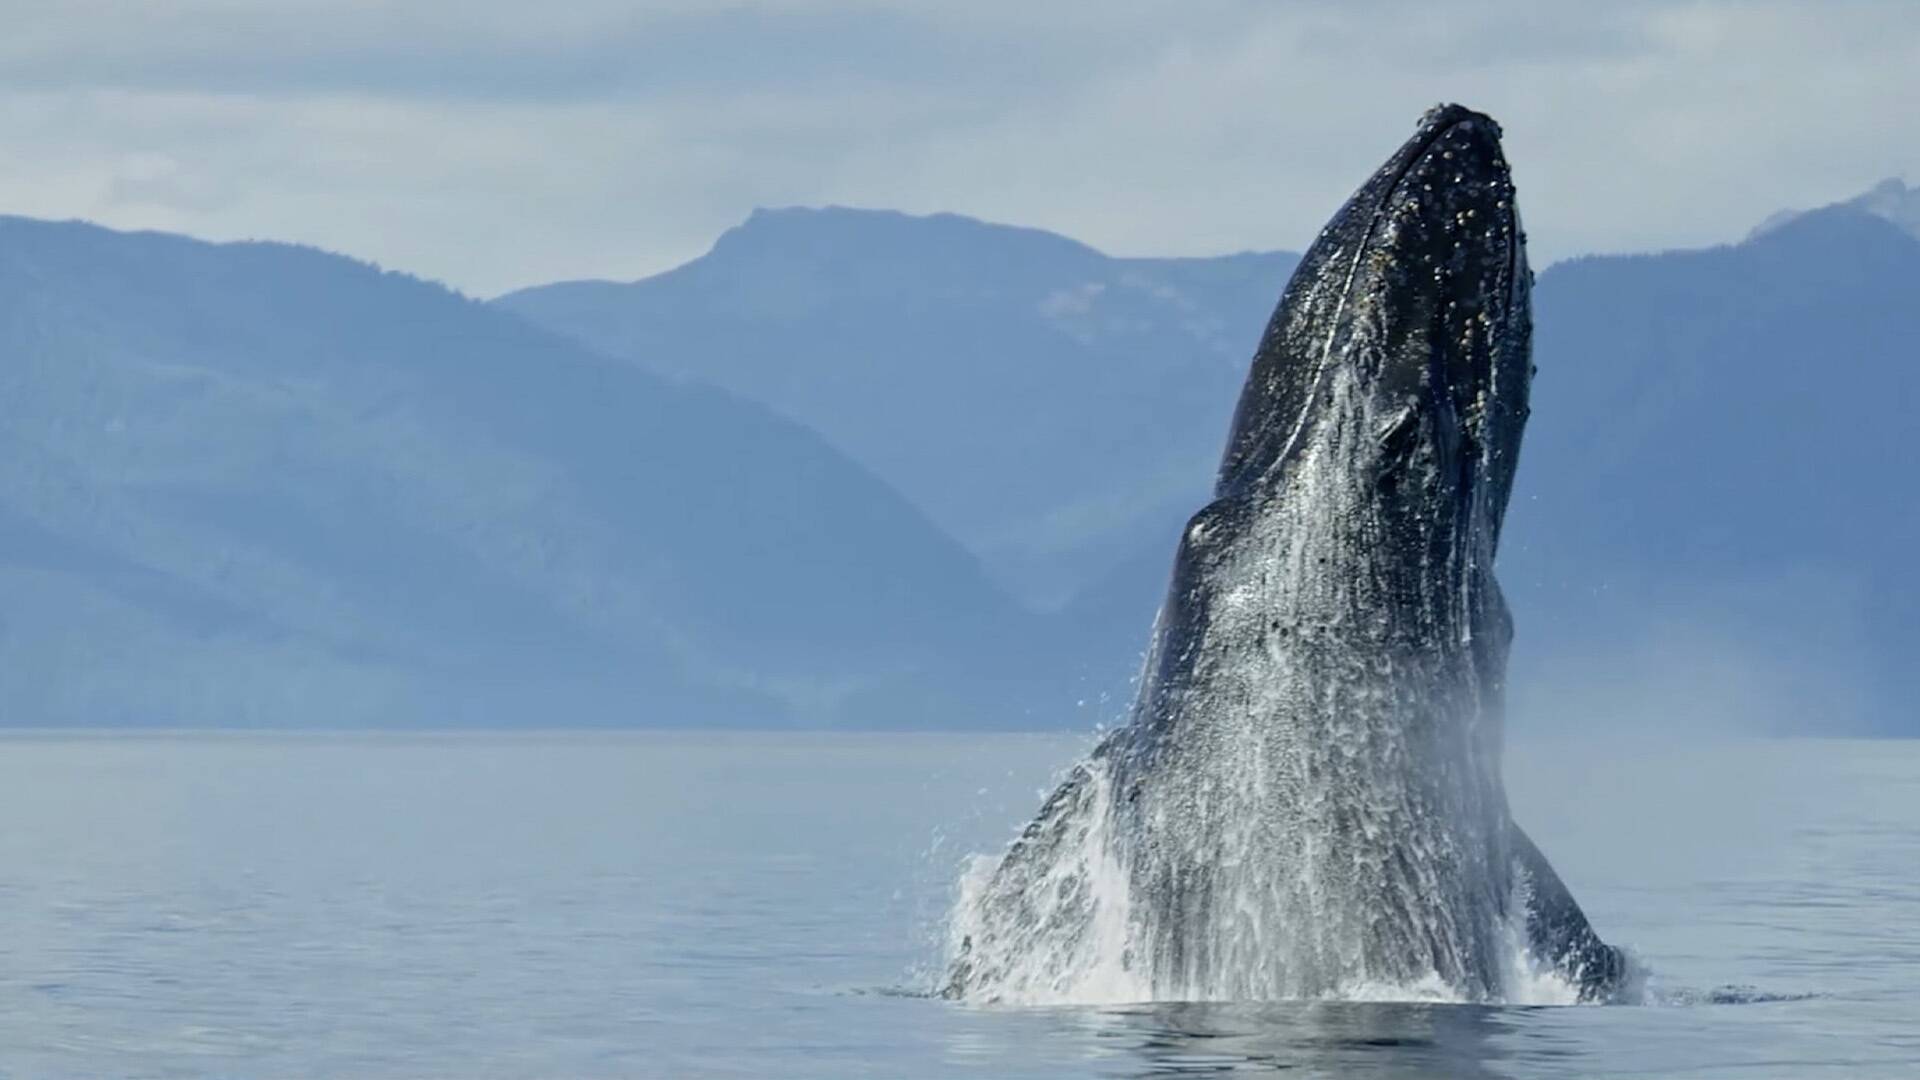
{"type": "Point", "coordinates": [1062, 929]}
{"type": "Point", "coordinates": [1064, 935]}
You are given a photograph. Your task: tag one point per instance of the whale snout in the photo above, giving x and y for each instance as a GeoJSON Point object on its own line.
{"type": "Point", "coordinates": [1447, 226]}
{"type": "Point", "coordinates": [1444, 284]}
{"type": "Point", "coordinates": [1418, 290]}
{"type": "Point", "coordinates": [1453, 198]}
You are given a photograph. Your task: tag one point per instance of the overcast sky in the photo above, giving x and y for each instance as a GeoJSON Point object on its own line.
{"type": "Point", "coordinates": [492, 144]}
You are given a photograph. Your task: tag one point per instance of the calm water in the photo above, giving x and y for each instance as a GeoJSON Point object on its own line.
{"type": "Point", "coordinates": [755, 905]}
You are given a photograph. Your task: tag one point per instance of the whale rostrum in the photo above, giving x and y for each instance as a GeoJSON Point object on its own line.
{"type": "Point", "coordinates": [1307, 801]}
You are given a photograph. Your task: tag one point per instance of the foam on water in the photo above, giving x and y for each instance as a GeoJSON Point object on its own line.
{"type": "Point", "coordinates": [1077, 942]}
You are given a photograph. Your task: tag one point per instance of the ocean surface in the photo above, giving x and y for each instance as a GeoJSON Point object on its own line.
{"type": "Point", "coordinates": [770, 905]}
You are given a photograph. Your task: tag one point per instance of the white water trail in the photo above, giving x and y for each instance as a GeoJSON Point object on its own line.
{"type": "Point", "coordinates": [1330, 822]}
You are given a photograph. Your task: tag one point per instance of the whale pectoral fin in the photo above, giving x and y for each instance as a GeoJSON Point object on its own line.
{"type": "Point", "coordinates": [1558, 931]}
{"type": "Point", "coordinates": [1032, 893]}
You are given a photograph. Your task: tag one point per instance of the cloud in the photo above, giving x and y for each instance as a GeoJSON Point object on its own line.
{"type": "Point", "coordinates": [494, 144]}
{"type": "Point", "coordinates": [579, 51]}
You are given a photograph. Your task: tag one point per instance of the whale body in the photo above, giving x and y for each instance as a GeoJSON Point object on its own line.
{"type": "Point", "coordinates": [1306, 801]}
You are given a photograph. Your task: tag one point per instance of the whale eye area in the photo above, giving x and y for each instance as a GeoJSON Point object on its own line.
{"type": "Point", "coordinates": [1399, 440]}
{"type": "Point", "coordinates": [1397, 434]}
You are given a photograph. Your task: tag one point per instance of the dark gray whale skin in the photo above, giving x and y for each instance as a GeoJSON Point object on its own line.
{"type": "Point", "coordinates": [1333, 616]}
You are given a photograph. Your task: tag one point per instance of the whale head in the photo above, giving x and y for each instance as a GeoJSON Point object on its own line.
{"type": "Point", "coordinates": [1401, 345]}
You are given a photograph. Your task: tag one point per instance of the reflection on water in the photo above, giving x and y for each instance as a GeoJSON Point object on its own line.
{"type": "Point", "coordinates": [1342, 1039]}
{"type": "Point", "coordinates": [1384, 1040]}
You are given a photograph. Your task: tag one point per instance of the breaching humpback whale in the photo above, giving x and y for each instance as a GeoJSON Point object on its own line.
{"type": "Point", "coordinates": [1307, 800]}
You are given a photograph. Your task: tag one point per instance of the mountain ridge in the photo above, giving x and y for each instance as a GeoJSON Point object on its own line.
{"type": "Point", "coordinates": [1890, 200]}
{"type": "Point", "coordinates": [1784, 277]}
{"type": "Point", "coordinates": [889, 333]}
{"type": "Point", "coordinates": [400, 489]}
{"type": "Point", "coordinates": [257, 483]}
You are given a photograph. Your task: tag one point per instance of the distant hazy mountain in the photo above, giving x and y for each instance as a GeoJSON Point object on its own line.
{"type": "Point", "coordinates": [1716, 497]}
{"type": "Point", "coordinates": [1716, 519]}
{"type": "Point", "coordinates": [253, 483]}
{"type": "Point", "coordinates": [1048, 405]}
{"type": "Point", "coordinates": [260, 484]}
{"type": "Point", "coordinates": [1890, 200]}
